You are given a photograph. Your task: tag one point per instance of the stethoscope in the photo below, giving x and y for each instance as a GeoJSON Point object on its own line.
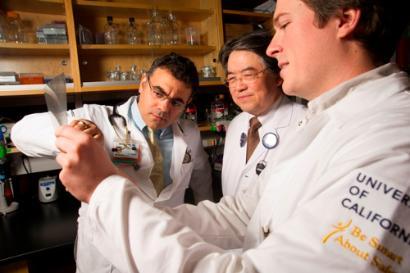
{"type": "Point", "coordinates": [270, 141]}
{"type": "Point", "coordinates": [115, 115]}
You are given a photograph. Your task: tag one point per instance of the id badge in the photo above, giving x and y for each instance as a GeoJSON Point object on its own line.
{"type": "Point", "coordinates": [126, 152]}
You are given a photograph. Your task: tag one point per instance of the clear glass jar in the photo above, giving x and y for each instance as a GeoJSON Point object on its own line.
{"type": "Point", "coordinates": [111, 32]}
{"type": "Point", "coordinates": [135, 74]}
{"type": "Point", "coordinates": [192, 36]}
{"type": "Point", "coordinates": [156, 28]}
{"type": "Point", "coordinates": [15, 27]}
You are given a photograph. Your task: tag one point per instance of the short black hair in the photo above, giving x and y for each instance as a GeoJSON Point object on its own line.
{"type": "Point", "coordinates": [256, 41]}
{"type": "Point", "coordinates": [180, 67]}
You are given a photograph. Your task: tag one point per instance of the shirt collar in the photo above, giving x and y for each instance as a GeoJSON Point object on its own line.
{"type": "Point", "coordinates": [135, 116]}
{"type": "Point", "coordinates": [268, 115]}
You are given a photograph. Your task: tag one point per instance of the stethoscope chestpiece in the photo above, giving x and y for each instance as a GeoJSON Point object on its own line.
{"type": "Point", "coordinates": [270, 140]}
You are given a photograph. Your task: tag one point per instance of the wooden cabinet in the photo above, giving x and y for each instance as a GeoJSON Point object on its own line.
{"type": "Point", "coordinates": [87, 64]}
{"type": "Point", "coordinates": [237, 22]}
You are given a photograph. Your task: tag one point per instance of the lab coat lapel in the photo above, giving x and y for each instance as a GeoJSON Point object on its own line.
{"type": "Point", "coordinates": [178, 152]}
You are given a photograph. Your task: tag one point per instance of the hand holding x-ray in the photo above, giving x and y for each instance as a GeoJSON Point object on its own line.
{"type": "Point", "coordinates": [56, 99]}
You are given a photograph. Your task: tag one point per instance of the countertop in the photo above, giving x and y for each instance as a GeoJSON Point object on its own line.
{"type": "Point", "coordinates": [36, 227]}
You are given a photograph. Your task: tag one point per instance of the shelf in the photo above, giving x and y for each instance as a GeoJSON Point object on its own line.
{"type": "Point", "coordinates": [245, 17]}
{"type": "Point", "coordinates": [125, 49]}
{"type": "Point", "coordinates": [204, 127]}
{"type": "Point", "coordinates": [54, 7]}
{"type": "Point", "coordinates": [34, 49]}
{"type": "Point", "coordinates": [27, 89]}
{"type": "Point", "coordinates": [210, 83]}
{"type": "Point", "coordinates": [121, 86]}
{"type": "Point", "coordinates": [124, 9]}
{"type": "Point", "coordinates": [109, 86]}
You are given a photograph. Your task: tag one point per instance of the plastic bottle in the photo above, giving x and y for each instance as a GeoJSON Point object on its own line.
{"type": "Point", "coordinates": [132, 32]}
{"type": "Point", "coordinates": [3, 159]}
{"type": "Point", "coordinates": [111, 32]}
{"type": "Point", "coordinates": [218, 113]}
{"type": "Point", "coordinates": [191, 112]}
{"type": "Point", "coordinates": [15, 31]}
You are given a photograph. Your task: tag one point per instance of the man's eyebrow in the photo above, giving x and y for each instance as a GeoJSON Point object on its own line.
{"type": "Point", "coordinates": [161, 90]}
{"type": "Point", "coordinates": [277, 17]}
{"type": "Point", "coordinates": [249, 68]}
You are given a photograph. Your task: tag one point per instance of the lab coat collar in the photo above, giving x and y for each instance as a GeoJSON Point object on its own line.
{"type": "Point", "coordinates": [365, 81]}
{"type": "Point", "coordinates": [281, 112]}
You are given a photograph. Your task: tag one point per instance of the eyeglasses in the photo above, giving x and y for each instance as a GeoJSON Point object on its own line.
{"type": "Point", "coordinates": [247, 76]}
{"type": "Point", "coordinates": [161, 95]}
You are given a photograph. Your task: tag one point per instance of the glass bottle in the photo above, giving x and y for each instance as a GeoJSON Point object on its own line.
{"type": "Point", "coordinates": [155, 29]}
{"type": "Point", "coordinates": [111, 32]}
{"type": "Point", "coordinates": [3, 28]}
{"type": "Point", "coordinates": [133, 36]}
{"type": "Point", "coordinates": [15, 31]}
{"type": "Point", "coordinates": [173, 35]}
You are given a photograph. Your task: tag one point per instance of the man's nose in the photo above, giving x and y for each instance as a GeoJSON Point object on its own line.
{"type": "Point", "coordinates": [239, 85]}
{"type": "Point", "coordinates": [273, 47]}
{"type": "Point", "coordinates": [165, 105]}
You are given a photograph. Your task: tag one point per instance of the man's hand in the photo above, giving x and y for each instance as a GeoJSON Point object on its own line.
{"type": "Point", "coordinates": [84, 162]}
{"type": "Point", "coordinates": [88, 127]}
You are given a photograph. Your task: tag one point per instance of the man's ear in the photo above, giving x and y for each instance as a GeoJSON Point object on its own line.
{"type": "Point", "coordinates": [349, 19]}
{"type": "Point", "coordinates": [142, 80]}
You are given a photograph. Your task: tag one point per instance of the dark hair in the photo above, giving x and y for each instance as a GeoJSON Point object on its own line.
{"type": "Point", "coordinates": [380, 25]}
{"type": "Point", "coordinates": [181, 68]}
{"type": "Point", "coordinates": [256, 42]}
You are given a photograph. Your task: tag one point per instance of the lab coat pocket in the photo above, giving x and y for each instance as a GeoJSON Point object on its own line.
{"type": "Point", "coordinates": [187, 157]}
{"type": "Point", "coordinates": [185, 173]}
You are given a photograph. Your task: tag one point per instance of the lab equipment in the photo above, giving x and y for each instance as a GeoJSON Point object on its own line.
{"type": "Point", "coordinates": [47, 189]}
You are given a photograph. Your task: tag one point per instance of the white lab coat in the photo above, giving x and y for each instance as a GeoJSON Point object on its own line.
{"type": "Point", "coordinates": [237, 174]}
{"type": "Point", "coordinates": [196, 173]}
{"type": "Point", "coordinates": [316, 211]}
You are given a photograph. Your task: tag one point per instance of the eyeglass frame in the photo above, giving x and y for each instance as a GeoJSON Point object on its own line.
{"type": "Point", "coordinates": [176, 103]}
{"type": "Point", "coordinates": [250, 79]}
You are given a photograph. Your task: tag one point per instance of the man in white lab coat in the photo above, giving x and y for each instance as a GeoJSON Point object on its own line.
{"type": "Point", "coordinates": [255, 86]}
{"type": "Point", "coordinates": [164, 91]}
{"type": "Point", "coordinates": [339, 199]}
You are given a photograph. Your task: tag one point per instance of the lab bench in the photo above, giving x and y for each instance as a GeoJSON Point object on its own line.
{"type": "Point", "coordinates": [39, 233]}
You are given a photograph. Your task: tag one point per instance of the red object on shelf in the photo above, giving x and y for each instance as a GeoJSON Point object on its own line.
{"type": "Point", "coordinates": [31, 78]}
